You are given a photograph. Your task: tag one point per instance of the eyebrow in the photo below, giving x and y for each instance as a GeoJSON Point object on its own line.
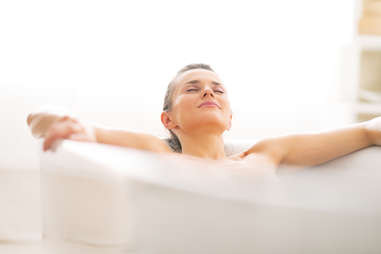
{"type": "Point", "coordinates": [196, 81]}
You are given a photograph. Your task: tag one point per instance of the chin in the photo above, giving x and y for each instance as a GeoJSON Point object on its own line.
{"type": "Point", "coordinates": [213, 121]}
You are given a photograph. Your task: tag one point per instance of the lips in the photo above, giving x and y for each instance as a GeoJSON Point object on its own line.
{"type": "Point", "coordinates": [209, 103]}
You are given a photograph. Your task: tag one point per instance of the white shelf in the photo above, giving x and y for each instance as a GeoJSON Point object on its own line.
{"type": "Point", "coordinates": [366, 108]}
{"type": "Point", "coordinates": [364, 72]}
{"type": "Point", "coordinates": [371, 97]}
{"type": "Point", "coordinates": [368, 42]}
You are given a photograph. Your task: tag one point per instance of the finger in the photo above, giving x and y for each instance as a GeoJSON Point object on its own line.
{"type": "Point", "coordinates": [243, 154]}
{"type": "Point", "coordinates": [49, 140]}
{"type": "Point", "coordinates": [59, 131]}
{"type": "Point", "coordinates": [67, 118]}
{"type": "Point", "coordinates": [64, 118]}
{"type": "Point", "coordinates": [51, 137]}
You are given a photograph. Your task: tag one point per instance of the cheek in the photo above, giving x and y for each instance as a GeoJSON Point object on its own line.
{"type": "Point", "coordinates": [184, 103]}
{"type": "Point", "coordinates": [226, 105]}
{"type": "Point", "coordinates": [227, 111]}
{"type": "Point", "coordinates": [183, 108]}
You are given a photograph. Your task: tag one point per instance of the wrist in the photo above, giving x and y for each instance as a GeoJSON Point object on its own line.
{"type": "Point", "coordinates": [96, 134]}
{"type": "Point", "coordinates": [368, 135]}
{"type": "Point", "coordinates": [372, 129]}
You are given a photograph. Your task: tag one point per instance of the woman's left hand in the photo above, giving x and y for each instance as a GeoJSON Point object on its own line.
{"type": "Point", "coordinates": [373, 130]}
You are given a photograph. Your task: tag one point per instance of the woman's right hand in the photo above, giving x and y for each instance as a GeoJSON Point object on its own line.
{"type": "Point", "coordinates": [68, 128]}
{"type": "Point", "coordinates": [54, 127]}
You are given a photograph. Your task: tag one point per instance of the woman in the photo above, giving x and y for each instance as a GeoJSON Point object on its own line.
{"type": "Point", "coordinates": [197, 112]}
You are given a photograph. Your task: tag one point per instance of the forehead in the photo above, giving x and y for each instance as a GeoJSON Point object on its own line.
{"type": "Point", "coordinates": [196, 74]}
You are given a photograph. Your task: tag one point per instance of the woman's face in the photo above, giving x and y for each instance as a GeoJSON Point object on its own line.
{"type": "Point", "coordinates": [199, 104]}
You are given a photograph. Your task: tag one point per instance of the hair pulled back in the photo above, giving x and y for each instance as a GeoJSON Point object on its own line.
{"type": "Point", "coordinates": [173, 141]}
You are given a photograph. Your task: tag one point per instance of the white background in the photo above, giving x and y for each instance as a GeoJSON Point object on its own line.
{"type": "Point", "coordinates": [110, 62]}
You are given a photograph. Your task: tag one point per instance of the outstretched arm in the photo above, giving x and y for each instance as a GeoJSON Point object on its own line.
{"type": "Point", "coordinates": [52, 127]}
{"type": "Point", "coordinates": [131, 139]}
{"type": "Point", "coordinates": [317, 148]}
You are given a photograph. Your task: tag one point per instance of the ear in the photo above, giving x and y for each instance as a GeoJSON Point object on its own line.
{"type": "Point", "coordinates": [167, 121]}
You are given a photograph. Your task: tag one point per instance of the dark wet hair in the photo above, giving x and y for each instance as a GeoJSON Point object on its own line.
{"type": "Point", "coordinates": [173, 141]}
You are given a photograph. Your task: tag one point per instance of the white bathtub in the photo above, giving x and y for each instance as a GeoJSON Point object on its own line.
{"type": "Point", "coordinates": [103, 199]}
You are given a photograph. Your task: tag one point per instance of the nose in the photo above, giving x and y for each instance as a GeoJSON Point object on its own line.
{"type": "Point", "coordinates": [208, 92]}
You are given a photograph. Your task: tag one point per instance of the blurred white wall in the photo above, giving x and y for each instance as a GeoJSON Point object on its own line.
{"type": "Point", "coordinates": [110, 62]}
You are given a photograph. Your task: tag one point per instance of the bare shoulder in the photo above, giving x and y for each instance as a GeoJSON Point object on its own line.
{"type": "Point", "coordinates": [165, 145]}
{"type": "Point", "coordinates": [162, 146]}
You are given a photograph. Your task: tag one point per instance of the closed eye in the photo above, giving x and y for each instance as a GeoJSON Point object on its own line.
{"type": "Point", "coordinates": [197, 89]}
{"type": "Point", "coordinates": [192, 89]}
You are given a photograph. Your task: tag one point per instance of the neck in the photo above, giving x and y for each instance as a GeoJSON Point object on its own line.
{"type": "Point", "coordinates": [208, 146]}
